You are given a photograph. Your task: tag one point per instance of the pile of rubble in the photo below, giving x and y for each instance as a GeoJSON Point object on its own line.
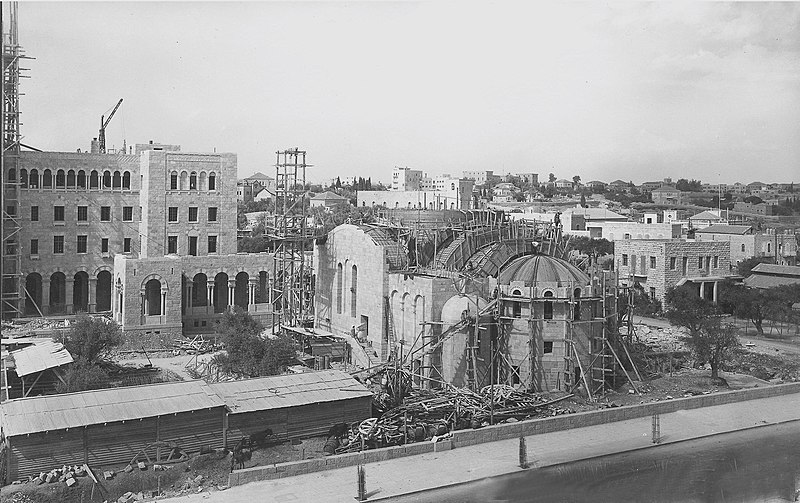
{"type": "Point", "coordinates": [659, 339]}
{"type": "Point", "coordinates": [428, 414]}
{"type": "Point", "coordinates": [66, 475]}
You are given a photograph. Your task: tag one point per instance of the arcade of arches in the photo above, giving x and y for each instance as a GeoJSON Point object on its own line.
{"type": "Point", "coordinates": [66, 293]}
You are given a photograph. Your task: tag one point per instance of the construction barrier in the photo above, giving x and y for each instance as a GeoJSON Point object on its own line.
{"type": "Point", "coordinates": [510, 430]}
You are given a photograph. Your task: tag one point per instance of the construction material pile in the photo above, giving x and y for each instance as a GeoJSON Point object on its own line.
{"type": "Point", "coordinates": [197, 345]}
{"type": "Point", "coordinates": [426, 414]}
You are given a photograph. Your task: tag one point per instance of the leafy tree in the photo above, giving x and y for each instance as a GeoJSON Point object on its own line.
{"type": "Point", "coordinates": [248, 353]}
{"type": "Point", "coordinates": [715, 343]}
{"type": "Point", "coordinates": [551, 177]}
{"type": "Point", "coordinates": [82, 376]}
{"type": "Point", "coordinates": [583, 200]}
{"type": "Point", "coordinates": [687, 309]}
{"type": "Point", "coordinates": [593, 247]}
{"type": "Point", "coordinates": [751, 303]}
{"type": "Point", "coordinates": [643, 304]}
{"type": "Point", "coordinates": [576, 180]}
{"type": "Point", "coordinates": [747, 265]}
{"type": "Point", "coordinates": [92, 339]}
{"type": "Point", "coordinates": [753, 200]}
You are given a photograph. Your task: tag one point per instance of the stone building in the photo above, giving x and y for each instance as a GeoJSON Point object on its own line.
{"type": "Point", "coordinates": [746, 243]}
{"type": "Point", "coordinates": [149, 236]}
{"type": "Point", "coordinates": [409, 290]}
{"type": "Point", "coordinates": [658, 265]}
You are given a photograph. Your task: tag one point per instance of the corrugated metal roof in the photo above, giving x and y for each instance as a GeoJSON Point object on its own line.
{"type": "Point", "coordinates": [289, 390]}
{"type": "Point", "coordinates": [763, 281]}
{"type": "Point", "coordinates": [783, 270]}
{"type": "Point", "coordinates": [71, 410]}
{"type": "Point", "coordinates": [42, 354]}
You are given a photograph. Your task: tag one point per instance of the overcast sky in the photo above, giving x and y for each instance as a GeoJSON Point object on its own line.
{"type": "Point", "coordinates": [632, 90]}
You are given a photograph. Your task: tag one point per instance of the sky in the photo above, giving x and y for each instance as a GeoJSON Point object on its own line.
{"type": "Point", "coordinates": [635, 91]}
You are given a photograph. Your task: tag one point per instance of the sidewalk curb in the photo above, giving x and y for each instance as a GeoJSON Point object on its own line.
{"type": "Point", "coordinates": [624, 451]}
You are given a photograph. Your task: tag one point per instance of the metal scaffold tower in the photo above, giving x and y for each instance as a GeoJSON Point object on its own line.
{"type": "Point", "coordinates": [12, 303]}
{"type": "Point", "coordinates": [292, 240]}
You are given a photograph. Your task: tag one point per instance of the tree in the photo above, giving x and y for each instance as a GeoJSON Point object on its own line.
{"type": "Point", "coordinates": [81, 376]}
{"type": "Point", "coordinates": [248, 353]}
{"type": "Point", "coordinates": [715, 343]}
{"type": "Point", "coordinates": [593, 247]}
{"type": "Point", "coordinates": [583, 200]}
{"type": "Point", "coordinates": [576, 181]}
{"type": "Point", "coordinates": [687, 309]}
{"type": "Point", "coordinates": [92, 339]}
{"type": "Point", "coordinates": [551, 178]}
{"type": "Point", "coordinates": [746, 266]}
{"type": "Point", "coordinates": [751, 303]}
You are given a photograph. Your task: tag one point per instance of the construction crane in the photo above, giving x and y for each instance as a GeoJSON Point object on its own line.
{"type": "Point", "coordinates": [103, 123]}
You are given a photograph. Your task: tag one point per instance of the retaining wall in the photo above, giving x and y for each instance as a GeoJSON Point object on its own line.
{"type": "Point", "coordinates": [509, 430]}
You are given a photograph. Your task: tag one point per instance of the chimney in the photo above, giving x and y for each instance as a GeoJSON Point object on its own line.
{"type": "Point", "coordinates": [95, 148]}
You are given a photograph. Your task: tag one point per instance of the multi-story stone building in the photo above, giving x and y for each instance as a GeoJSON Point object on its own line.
{"type": "Point", "coordinates": [658, 265]}
{"type": "Point", "coordinates": [150, 236]}
{"type": "Point", "coordinates": [746, 243]}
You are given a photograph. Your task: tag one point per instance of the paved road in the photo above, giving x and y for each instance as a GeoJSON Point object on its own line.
{"type": "Point", "coordinates": [761, 464]}
{"type": "Point", "coordinates": [401, 476]}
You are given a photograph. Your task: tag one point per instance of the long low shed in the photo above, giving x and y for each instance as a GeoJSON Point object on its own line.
{"type": "Point", "coordinates": [108, 427]}
{"type": "Point", "coordinates": [293, 406]}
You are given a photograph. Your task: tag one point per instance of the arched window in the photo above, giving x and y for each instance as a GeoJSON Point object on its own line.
{"type": "Point", "coordinates": [184, 180]}
{"type": "Point", "coordinates": [33, 179]}
{"type": "Point", "coordinates": [60, 179]}
{"type": "Point", "coordinates": [126, 180]}
{"type": "Point", "coordinates": [769, 247]}
{"type": "Point", "coordinates": [173, 181]}
{"type": "Point", "coordinates": [548, 305]}
{"type": "Point", "coordinates": [353, 291]}
{"type": "Point", "coordinates": [23, 178]}
{"type": "Point", "coordinates": [117, 180]}
{"type": "Point", "coordinates": [47, 179]}
{"type": "Point", "coordinates": [71, 179]}
{"type": "Point", "coordinates": [203, 181]}
{"type": "Point", "coordinates": [81, 179]}
{"type": "Point", "coordinates": [339, 281]}
{"type": "Point", "coordinates": [107, 180]}
{"type": "Point", "coordinates": [576, 313]}
{"type": "Point", "coordinates": [516, 293]}
{"type": "Point", "coordinates": [193, 181]}
{"type": "Point", "coordinates": [742, 247]}
{"type": "Point", "coordinates": [94, 180]}
{"type": "Point", "coordinates": [212, 181]}
{"type": "Point", "coordinates": [12, 175]}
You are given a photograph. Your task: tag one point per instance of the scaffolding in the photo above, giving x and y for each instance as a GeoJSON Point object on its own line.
{"type": "Point", "coordinates": [292, 240]}
{"type": "Point", "coordinates": [11, 303]}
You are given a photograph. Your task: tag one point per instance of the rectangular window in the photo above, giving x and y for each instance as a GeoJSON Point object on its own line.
{"type": "Point", "coordinates": [58, 244]}
{"type": "Point", "coordinates": [548, 347]}
{"type": "Point", "coordinates": [173, 214]}
{"type": "Point", "coordinates": [34, 247]}
{"type": "Point", "coordinates": [652, 293]}
{"type": "Point", "coordinates": [193, 214]}
{"type": "Point", "coordinates": [652, 262]}
{"type": "Point", "coordinates": [699, 262]}
{"type": "Point", "coordinates": [34, 213]}
{"type": "Point", "coordinates": [212, 244]}
{"type": "Point", "coordinates": [212, 214]}
{"type": "Point", "coordinates": [624, 259]}
{"type": "Point", "coordinates": [172, 244]}
{"type": "Point", "coordinates": [716, 261]}
{"type": "Point", "coordinates": [127, 213]}
{"type": "Point", "coordinates": [83, 213]}
{"type": "Point", "coordinates": [193, 245]}
{"type": "Point", "coordinates": [58, 213]}
{"type": "Point", "coordinates": [105, 213]}
{"type": "Point", "coordinates": [672, 261]}
{"type": "Point", "coordinates": [82, 243]}
{"type": "Point", "coordinates": [173, 181]}
{"type": "Point", "coordinates": [126, 245]}
{"type": "Point", "coordinates": [685, 264]}
{"type": "Point", "coordinates": [11, 210]}
{"type": "Point", "coordinates": [104, 245]}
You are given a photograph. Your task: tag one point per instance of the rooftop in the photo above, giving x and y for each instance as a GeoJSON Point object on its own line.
{"type": "Point", "coordinates": [42, 354]}
{"type": "Point", "coordinates": [327, 196]}
{"type": "Point", "coordinates": [533, 269]}
{"type": "Point", "coordinates": [726, 229]}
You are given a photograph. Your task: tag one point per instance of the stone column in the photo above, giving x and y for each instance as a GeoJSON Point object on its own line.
{"type": "Point", "coordinates": [231, 290]}
{"type": "Point", "coordinates": [269, 292]}
{"type": "Point", "coordinates": [45, 295]}
{"type": "Point", "coordinates": [164, 305]}
{"type": "Point", "coordinates": [92, 294]}
{"type": "Point", "coordinates": [716, 285]}
{"type": "Point", "coordinates": [144, 310]}
{"type": "Point", "coordinates": [210, 295]}
{"type": "Point", "coordinates": [69, 285]}
{"type": "Point", "coordinates": [702, 288]}
{"type": "Point", "coordinates": [251, 297]}
{"type": "Point", "coordinates": [189, 297]}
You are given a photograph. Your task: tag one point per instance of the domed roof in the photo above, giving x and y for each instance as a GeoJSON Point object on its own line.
{"type": "Point", "coordinates": [457, 304]}
{"type": "Point", "coordinates": [533, 269]}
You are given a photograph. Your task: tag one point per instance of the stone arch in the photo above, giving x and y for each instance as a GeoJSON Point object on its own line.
{"type": "Point", "coordinates": [221, 300]}
{"type": "Point", "coordinates": [199, 290]}
{"type": "Point", "coordinates": [33, 293]}
{"type": "Point", "coordinates": [339, 287]}
{"type": "Point", "coordinates": [47, 179]}
{"type": "Point", "coordinates": [353, 291]}
{"type": "Point", "coordinates": [241, 294]}
{"type": "Point", "coordinates": [106, 179]}
{"type": "Point", "coordinates": [548, 305]}
{"type": "Point", "coordinates": [23, 178]}
{"type": "Point", "coordinates": [58, 293]}
{"type": "Point", "coordinates": [184, 180]}
{"type": "Point", "coordinates": [152, 296]}
{"type": "Point", "coordinates": [116, 180]}
{"type": "Point", "coordinates": [193, 180]}
{"type": "Point", "coordinates": [103, 290]}
{"type": "Point", "coordinates": [173, 180]}
{"type": "Point", "coordinates": [81, 180]}
{"type": "Point", "coordinates": [126, 180]}
{"type": "Point", "coordinates": [33, 179]}
{"type": "Point", "coordinates": [71, 179]}
{"type": "Point", "coordinates": [80, 292]}
{"type": "Point", "coordinates": [203, 183]}
{"type": "Point", "coordinates": [262, 292]}
{"type": "Point", "coordinates": [94, 179]}
{"type": "Point", "coordinates": [61, 179]}
{"type": "Point", "coordinates": [407, 309]}
{"type": "Point", "coordinates": [212, 181]}
{"type": "Point", "coordinates": [12, 175]}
